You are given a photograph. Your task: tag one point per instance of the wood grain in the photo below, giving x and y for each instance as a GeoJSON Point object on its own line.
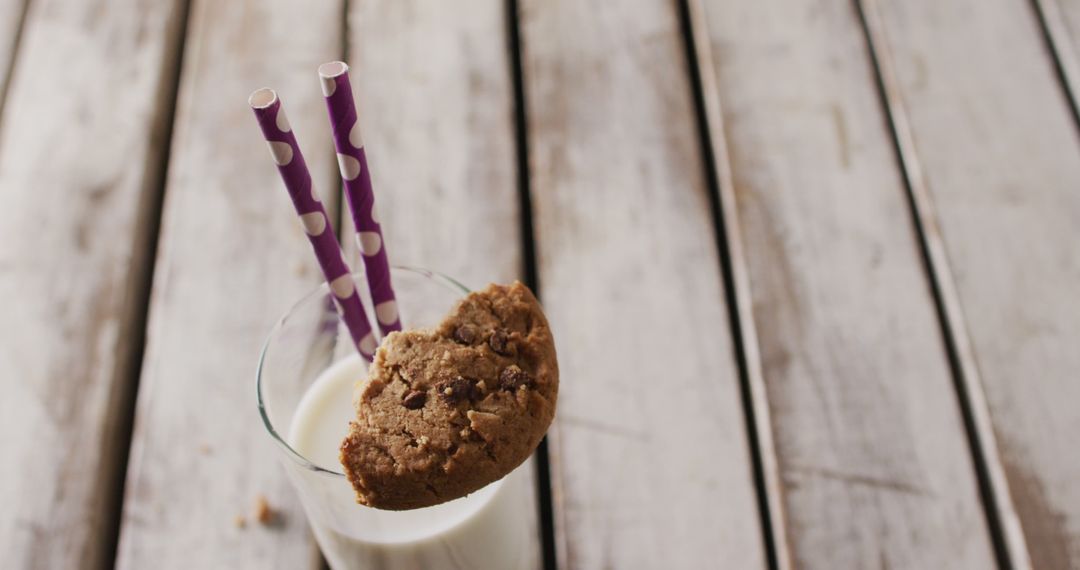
{"type": "Point", "coordinates": [871, 443]}
{"type": "Point", "coordinates": [80, 164]}
{"type": "Point", "coordinates": [11, 22]}
{"type": "Point", "coordinates": [999, 154]}
{"type": "Point", "coordinates": [650, 463]}
{"type": "Point", "coordinates": [434, 92]}
{"type": "Point", "coordinates": [232, 258]}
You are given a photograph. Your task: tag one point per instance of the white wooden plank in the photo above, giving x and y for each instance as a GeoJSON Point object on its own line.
{"type": "Point", "coordinates": [434, 94]}
{"type": "Point", "coordinates": [871, 444]}
{"type": "Point", "coordinates": [80, 160]}
{"type": "Point", "coordinates": [999, 155]}
{"type": "Point", "coordinates": [232, 258]}
{"type": "Point", "coordinates": [433, 83]}
{"type": "Point", "coordinates": [651, 465]}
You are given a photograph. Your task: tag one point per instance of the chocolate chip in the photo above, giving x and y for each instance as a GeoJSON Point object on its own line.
{"type": "Point", "coordinates": [465, 334]}
{"type": "Point", "coordinates": [513, 378]}
{"type": "Point", "coordinates": [457, 389]}
{"type": "Point", "coordinates": [414, 400]}
{"type": "Point", "coordinates": [500, 342]}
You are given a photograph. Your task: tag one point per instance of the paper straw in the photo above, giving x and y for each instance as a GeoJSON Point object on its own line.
{"type": "Point", "coordinates": [294, 173]}
{"type": "Point", "coordinates": [352, 161]}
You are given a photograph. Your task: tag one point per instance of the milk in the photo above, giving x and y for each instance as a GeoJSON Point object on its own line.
{"type": "Point", "coordinates": [487, 529]}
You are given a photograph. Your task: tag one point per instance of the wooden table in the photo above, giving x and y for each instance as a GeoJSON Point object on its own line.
{"type": "Point", "coordinates": [813, 267]}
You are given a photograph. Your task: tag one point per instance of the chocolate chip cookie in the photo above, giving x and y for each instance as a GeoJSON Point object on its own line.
{"type": "Point", "coordinates": [446, 411]}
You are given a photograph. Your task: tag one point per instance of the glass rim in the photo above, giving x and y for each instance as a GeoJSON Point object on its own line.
{"type": "Point", "coordinates": [324, 289]}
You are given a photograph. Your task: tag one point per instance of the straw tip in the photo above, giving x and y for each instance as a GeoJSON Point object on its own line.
{"type": "Point", "coordinates": [332, 69]}
{"type": "Point", "coordinates": [262, 98]}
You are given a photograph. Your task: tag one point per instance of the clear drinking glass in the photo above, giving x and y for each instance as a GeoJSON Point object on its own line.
{"type": "Point", "coordinates": [488, 529]}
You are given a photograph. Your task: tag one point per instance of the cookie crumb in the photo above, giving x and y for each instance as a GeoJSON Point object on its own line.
{"type": "Point", "coordinates": [204, 448]}
{"type": "Point", "coordinates": [264, 513]}
{"type": "Point", "coordinates": [239, 521]}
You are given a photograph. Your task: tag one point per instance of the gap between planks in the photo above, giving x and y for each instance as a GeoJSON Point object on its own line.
{"type": "Point", "coordinates": [550, 543]}
{"type": "Point", "coordinates": [1004, 524]}
{"type": "Point", "coordinates": [737, 286]}
{"type": "Point", "coordinates": [1059, 48]}
{"type": "Point", "coordinates": [143, 281]}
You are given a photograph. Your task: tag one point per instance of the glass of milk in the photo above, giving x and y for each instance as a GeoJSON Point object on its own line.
{"type": "Point", "coordinates": [305, 383]}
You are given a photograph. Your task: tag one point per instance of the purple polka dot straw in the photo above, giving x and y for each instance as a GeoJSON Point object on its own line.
{"type": "Point", "coordinates": [294, 173]}
{"type": "Point", "coordinates": [358, 192]}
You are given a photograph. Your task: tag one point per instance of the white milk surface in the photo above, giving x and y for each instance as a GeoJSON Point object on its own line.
{"type": "Point", "coordinates": [484, 530]}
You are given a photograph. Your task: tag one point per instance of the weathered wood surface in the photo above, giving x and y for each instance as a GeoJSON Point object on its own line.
{"type": "Point", "coordinates": [650, 462]}
{"type": "Point", "coordinates": [847, 369]}
{"type": "Point", "coordinates": [81, 153]}
{"type": "Point", "coordinates": [232, 258]}
{"type": "Point", "coordinates": [11, 20]}
{"type": "Point", "coordinates": [871, 444]}
{"type": "Point", "coordinates": [1000, 156]}
{"type": "Point", "coordinates": [434, 91]}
